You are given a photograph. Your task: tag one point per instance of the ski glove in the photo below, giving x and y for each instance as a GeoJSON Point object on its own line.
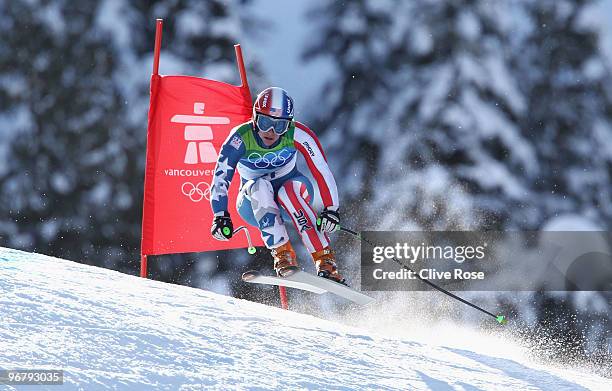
{"type": "Point", "coordinates": [222, 227]}
{"type": "Point", "coordinates": [328, 221]}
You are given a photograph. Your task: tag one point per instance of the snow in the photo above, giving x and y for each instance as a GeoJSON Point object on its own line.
{"type": "Point", "coordinates": [469, 26]}
{"type": "Point", "coordinates": [353, 23]}
{"type": "Point", "coordinates": [571, 222]}
{"type": "Point", "coordinates": [422, 40]}
{"type": "Point", "coordinates": [51, 15]}
{"type": "Point", "coordinates": [109, 330]}
{"type": "Point", "coordinates": [188, 24]}
{"type": "Point", "coordinates": [600, 15]}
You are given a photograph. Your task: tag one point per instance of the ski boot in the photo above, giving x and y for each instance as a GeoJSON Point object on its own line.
{"type": "Point", "coordinates": [285, 262]}
{"type": "Point", "coordinates": [325, 262]}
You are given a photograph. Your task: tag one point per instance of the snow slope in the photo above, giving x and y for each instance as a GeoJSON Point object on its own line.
{"type": "Point", "coordinates": [116, 331]}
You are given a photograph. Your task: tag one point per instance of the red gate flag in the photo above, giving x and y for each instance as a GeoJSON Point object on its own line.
{"type": "Point", "coordinates": [189, 119]}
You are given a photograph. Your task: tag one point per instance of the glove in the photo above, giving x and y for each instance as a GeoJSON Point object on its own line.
{"type": "Point", "coordinates": [328, 221]}
{"type": "Point", "coordinates": [222, 227]}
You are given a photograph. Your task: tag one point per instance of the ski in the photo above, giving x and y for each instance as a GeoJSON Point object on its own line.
{"type": "Point", "coordinates": [308, 282]}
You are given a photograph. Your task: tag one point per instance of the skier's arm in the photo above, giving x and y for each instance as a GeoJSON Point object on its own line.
{"type": "Point", "coordinates": [308, 144]}
{"type": "Point", "coordinates": [232, 150]}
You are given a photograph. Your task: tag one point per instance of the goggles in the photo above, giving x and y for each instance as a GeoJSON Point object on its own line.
{"type": "Point", "coordinates": [279, 125]}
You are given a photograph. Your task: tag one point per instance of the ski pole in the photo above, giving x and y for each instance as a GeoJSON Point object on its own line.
{"type": "Point", "coordinates": [226, 233]}
{"type": "Point", "coordinates": [501, 319]}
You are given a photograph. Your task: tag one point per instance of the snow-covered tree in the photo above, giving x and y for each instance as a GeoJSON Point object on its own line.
{"type": "Point", "coordinates": [59, 186]}
{"type": "Point", "coordinates": [564, 76]}
{"type": "Point", "coordinates": [437, 111]}
{"type": "Point", "coordinates": [74, 93]}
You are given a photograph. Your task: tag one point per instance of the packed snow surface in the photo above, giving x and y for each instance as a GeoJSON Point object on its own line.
{"type": "Point", "coordinates": [109, 330]}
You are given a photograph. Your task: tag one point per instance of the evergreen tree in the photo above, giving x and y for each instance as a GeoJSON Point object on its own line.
{"type": "Point", "coordinates": [58, 188]}
{"type": "Point", "coordinates": [76, 99]}
{"type": "Point", "coordinates": [563, 76]}
{"type": "Point", "coordinates": [434, 119]}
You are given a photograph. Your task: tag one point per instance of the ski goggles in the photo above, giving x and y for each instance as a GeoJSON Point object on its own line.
{"type": "Point", "coordinates": [265, 123]}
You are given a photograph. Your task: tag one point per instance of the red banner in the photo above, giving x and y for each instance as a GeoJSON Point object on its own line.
{"type": "Point", "coordinates": [189, 119]}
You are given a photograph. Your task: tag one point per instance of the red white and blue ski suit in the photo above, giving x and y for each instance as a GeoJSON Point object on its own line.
{"type": "Point", "coordinates": [272, 188]}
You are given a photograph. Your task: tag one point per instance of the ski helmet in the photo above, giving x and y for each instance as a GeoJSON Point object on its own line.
{"type": "Point", "coordinates": [274, 102]}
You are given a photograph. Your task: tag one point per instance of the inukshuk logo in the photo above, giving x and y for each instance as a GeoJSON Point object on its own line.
{"type": "Point", "coordinates": [198, 134]}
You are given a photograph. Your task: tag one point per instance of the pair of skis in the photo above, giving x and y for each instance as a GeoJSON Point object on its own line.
{"type": "Point", "coordinates": [300, 279]}
{"type": "Point", "coordinates": [308, 282]}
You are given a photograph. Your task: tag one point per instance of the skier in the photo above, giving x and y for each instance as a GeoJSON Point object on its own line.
{"type": "Point", "coordinates": [264, 151]}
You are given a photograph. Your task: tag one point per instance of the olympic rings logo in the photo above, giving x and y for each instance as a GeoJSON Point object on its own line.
{"type": "Point", "coordinates": [196, 193]}
{"type": "Point", "coordinates": [269, 159]}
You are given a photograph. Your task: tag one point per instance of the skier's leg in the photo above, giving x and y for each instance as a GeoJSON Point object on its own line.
{"type": "Point", "coordinates": [266, 212]}
{"type": "Point", "coordinates": [244, 207]}
{"type": "Point", "coordinates": [295, 198]}
{"type": "Point", "coordinates": [273, 232]}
